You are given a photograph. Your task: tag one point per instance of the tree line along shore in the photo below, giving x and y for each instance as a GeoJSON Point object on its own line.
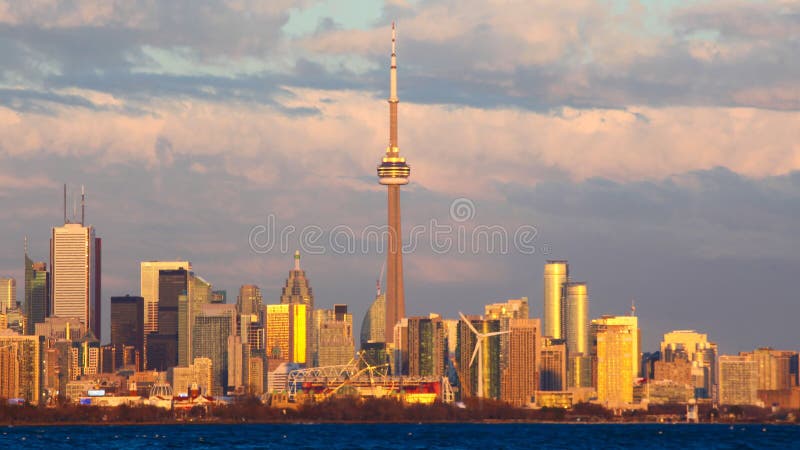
{"type": "Point", "coordinates": [344, 410]}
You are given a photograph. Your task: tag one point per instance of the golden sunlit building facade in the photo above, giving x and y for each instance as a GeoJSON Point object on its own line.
{"type": "Point", "coordinates": [616, 343]}
{"type": "Point", "coordinates": [287, 332]}
{"type": "Point", "coordinates": [556, 273]}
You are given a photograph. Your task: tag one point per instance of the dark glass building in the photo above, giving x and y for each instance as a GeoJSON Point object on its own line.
{"type": "Point", "coordinates": [127, 326]}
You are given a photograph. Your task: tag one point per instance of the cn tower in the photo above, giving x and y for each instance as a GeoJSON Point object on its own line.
{"type": "Point", "coordinates": [394, 172]}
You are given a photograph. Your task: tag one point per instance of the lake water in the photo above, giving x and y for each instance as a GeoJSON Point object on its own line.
{"type": "Point", "coordinates": [379, 436]}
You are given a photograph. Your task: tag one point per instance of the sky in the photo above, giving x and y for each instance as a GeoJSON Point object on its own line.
{"type": "Point", "coordinates": [654, 145]}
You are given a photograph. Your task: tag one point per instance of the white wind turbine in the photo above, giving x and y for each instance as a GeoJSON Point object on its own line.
{"type": "Point", "coordinates": [479, 338]}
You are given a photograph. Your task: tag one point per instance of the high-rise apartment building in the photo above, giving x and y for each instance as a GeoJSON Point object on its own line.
{"type": "Point", "coordinates": [127, 326]}
{"type": "Point", "coordinates": [427, 346]}
{"type": "Point", "coordinates": [8, 292]}
{"type": "Point", "coordinates": [149, 284]}
{"type": "Point", "coordinates": [334, 336]}
{"type": "Point", "coordinates": [575, 329]}
{"type": "Point", "coordinates": [237, 364]}
{"type": "Point", "coordinates": [556, 273]}
{"type": "Point", "coordinates": [774, 368]}
{"type": "Point", "coordinates": [287, 333]}
{"type": "Point", "coordinates": [520, 378]}
{"type": "Point", "coordinates": [616, 343]}
{"type": "Point", "coordinates": [468, 374]}
{"type": "Point", "coordinates": [631, 322]}
{"type": "Point", "coordinates": [21, 366]}
{"type": "Point", "coordinates": [738, 380]}
{"type": "Point", "coordinates": [552, 365]}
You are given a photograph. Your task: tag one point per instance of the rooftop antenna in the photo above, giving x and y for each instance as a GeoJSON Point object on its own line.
{"type": "Point", "coordinates": [83, 206]}
{"type": "Point", "coordinates": [26, 245]}
{"type": "Point", "coordinates": [380, 277]}
{"type": "Point", "coordinates": [633, 307]}
{"type": "Point", "coordinates": [65, 204]}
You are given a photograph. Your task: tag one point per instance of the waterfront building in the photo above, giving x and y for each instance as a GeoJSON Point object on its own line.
{"type": "Point", "coordinates": [616, 343]}
{"type": "Point", "coordinates": [21, 366]}
{"type": "Point", "coordinates": [553, 365]}
{"type": "Point", "coordinates": [162, 347]}
{"type": "Point", "coordinates": [738, 380]}
{"type": "Point", "coordinates": [520, 378]}
{"type": "Point", "coordinates": [427, 346]}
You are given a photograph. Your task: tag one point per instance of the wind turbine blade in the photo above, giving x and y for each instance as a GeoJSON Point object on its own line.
{"type": "Point", "coordinates": [469, 324]}
{"type": "Point", "coordinates": [475, 353]}
{"type": "Point", "coordinates": [496, 333]}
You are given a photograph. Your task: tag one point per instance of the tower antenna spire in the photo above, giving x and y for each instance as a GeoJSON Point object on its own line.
{"type": "Point", "coordinates": [65, 203]}
{"type": "Point", "coordinates": [83, 206]}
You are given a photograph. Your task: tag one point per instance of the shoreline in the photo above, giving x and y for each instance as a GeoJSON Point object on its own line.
{"type": "Point", "coordinates": [346, 422]}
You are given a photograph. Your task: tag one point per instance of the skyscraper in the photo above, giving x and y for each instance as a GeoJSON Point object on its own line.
{"type": "Point", "coordinates": [520, 377]}
{"type": "Point", "coordinates": [468, 374]}
{"type": "Point", "coordinates": [249, 300]}
{"type": "Point", "coordinates": [738, 380]}
{"type": "Point", "coordinates": [162, 347]}
{"type": "Point", "coordinates": [427, 346]}
{"type": "Point", "coordinates": [213, 325]}
{"type": "Point", "coordinates": [373, 327]}
{"type": "Point", "coordinates": [552, 365]}
{"type": "Point", "coordinates": [556, 273]}
{"type": "Point", "coordinates": [393, 172]}
{"type": "Point", "coordinates": [127, 326]}
{"type": "Point", "coordinates": [334, 335]}
{"type": "Point", "coordinates": [575, 329]}
{"type": "Point", "coordinates": [773, 368]}
{"type": "Point", "coordinates": [286, 333]}
{"type": "Point", "coordinates": [189, 304]}
{"type": "Point", "coordinates": [297, 290]}
{"type": "Point", "coordinates": [631, 322]}
{"type": "Point", "coordinates": [8, 292]}
{"type": "Point", "coordinates": [149, 288]}
{"type": "Point", "coordinates": [37, 293]}
{"type": "Point", "coordinates": [616, 343]}
{"type": "Point", "coordinates": [20, 366]}
{"type": "Point", "coordinates": [75, 277]}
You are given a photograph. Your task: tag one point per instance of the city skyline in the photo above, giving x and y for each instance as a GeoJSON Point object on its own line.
{"type": "Point", "coordinates": [698, 242]}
